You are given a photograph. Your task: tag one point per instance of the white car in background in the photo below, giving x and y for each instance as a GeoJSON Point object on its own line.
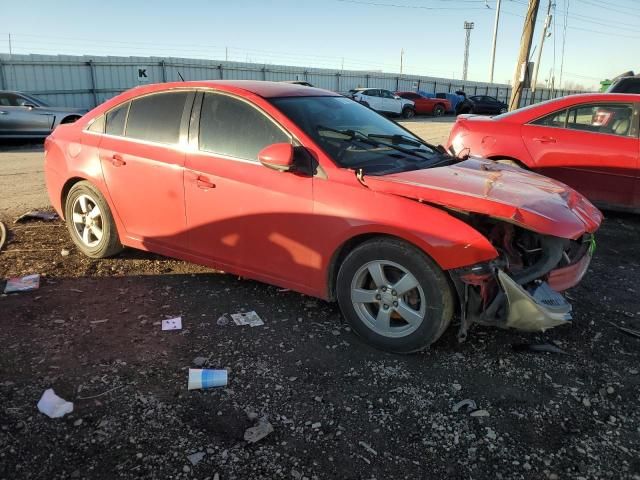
{"type": "Point", "coordinates": [383, 101]}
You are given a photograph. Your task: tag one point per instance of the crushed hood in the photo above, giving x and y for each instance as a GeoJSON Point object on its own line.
{"type": "Point", "coordinates": [500, 191]}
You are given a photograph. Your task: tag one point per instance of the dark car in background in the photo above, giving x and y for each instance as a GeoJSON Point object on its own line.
{"type": "Point", "coordinates": [625, 84]}
{"type": "Point", "coordinates": [481, 104]}
{"type": "Point", "coordinates": [26, 116]}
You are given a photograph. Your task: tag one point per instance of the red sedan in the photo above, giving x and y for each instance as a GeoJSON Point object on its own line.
{"type": "Point", "coordinates": [589, 142]}
{"type": "Point", "coordinates": [427, 106]}
{"type": "Point", "coordinates": [309, 190]}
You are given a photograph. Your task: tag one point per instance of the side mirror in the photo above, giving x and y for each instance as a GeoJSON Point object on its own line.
{"type": "Point", "coordinates": [397, 97]}
{"type": "Point", "coordinates": [278, 156]}
{"type": "Point", "coordinates": [29, 106]}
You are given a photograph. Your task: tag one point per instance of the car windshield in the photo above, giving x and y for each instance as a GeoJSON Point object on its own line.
{"type": "Point", "coordinates": [356, 137]}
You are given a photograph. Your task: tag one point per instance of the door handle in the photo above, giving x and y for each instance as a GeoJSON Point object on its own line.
{"type": "Point", "coordinates": [117, 161]}
{"type": "Point", "coordinates": [544, 140]}
{"type": "Point", "coordinates": [203, 183]}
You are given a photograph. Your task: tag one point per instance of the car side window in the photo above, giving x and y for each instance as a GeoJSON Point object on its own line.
{"type": "Point", "coordinates": [612, 118]}
{"type": "Point", "coordinates": [115, 120]}
{"type": "Point", "coordinates": [232, 127]}
{"type": "Point", "coordinates": [9, 100]}
{"type": "Point", "coordinates": [490, 99]}
{"type": "Point", "coordinates": [371, 93]}
{"type": "Point", "coordinates": [555, 119]}
{"type": "Point", "coordinates": [98, 124]}
{"type": "Point", "coordinates": [156, 117]}
{"type": "Point", "coordinates": [386, 94]}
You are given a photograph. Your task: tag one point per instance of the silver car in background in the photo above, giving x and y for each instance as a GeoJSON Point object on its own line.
{"type": "Point", "coordinates": [25, 116]}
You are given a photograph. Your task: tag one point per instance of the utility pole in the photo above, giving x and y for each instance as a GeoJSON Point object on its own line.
{"type": "Point", "coordinates": [10, 51]}
{"type": "Point", "coordinates": [536, 67]}
{"type": "Point", "coordinates": [401, 55]}
{"type": "Point", "coordinates": [468, 26]}
{"type": "Point", "coordinates": [226, 54]}
{"type": "Point", "coordinates": [495, 38]}
{"type": "Point", "coordinates": [523, 57]}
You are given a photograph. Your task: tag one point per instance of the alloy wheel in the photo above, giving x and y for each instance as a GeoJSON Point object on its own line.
{"type": "Point", "coordinates": [388, 298]}
{"type": "Point", "coordinates": [87, 220]}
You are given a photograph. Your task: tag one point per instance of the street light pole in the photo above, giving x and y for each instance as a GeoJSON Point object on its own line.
{"type": "Point", "coordinates": [495, 38]}
{"type": "Point", "coordinates": [468, 26]}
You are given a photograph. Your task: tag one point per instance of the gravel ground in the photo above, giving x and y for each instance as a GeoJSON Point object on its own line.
{"type": "Point", "coordinates": [338, 408]}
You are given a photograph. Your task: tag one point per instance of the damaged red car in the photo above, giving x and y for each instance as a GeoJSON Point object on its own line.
{"type": "Point", "coordinates": [306, 189]}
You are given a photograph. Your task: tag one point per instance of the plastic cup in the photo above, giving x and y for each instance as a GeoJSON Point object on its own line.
{"type": "Point", "coordinates": [200, 378]}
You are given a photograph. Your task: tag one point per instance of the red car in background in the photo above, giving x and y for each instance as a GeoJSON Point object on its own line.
{"type": "Point", "coordinates": [306, 189]}
{"type": "Point", "coordinates": [427, 106]}
{"type": "Point", "coordinates": [588, 141]}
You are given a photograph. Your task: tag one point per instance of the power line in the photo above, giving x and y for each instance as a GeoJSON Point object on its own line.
{"type": "Point", "coordinates": [420, 7]}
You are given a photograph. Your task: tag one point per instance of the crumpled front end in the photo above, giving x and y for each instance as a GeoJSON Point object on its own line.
{"type": "Point", "coordinates": [521, 288]}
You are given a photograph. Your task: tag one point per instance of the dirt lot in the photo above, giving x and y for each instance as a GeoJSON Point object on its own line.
{"type": "Point", "coordinates": [339, 408]}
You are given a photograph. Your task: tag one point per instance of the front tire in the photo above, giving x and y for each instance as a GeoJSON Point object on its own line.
{"type": "Point", "coordinates": [408, 112]}
{"type": "Point", "coordinates": [90, 222]}
{"type": "Point", "coordinates": [394, 296]}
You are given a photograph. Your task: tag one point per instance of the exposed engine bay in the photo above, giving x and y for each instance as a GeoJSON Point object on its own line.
{"type": "Point", "coordinates": [520, 289]}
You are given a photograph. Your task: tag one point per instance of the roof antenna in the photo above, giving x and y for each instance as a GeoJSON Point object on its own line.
{"type": "Point", "coordinates": [180, 75]}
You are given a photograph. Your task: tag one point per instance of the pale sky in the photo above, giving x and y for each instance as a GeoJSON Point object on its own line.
{"type": "Point", "coordinates": [602, 36]}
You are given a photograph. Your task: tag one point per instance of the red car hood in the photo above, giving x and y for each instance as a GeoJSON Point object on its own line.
{"type": "Point", "coordinates": [509, 193]}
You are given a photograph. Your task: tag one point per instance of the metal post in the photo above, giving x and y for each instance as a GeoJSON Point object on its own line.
{"type": "Point", "coordinates": [397, 83]}
{"type": "Point", "coordinates": [337, 81]}
{"type": "Point", "coordinates": [419, 84]}
{"type": "Point", "coordinates": [367, 77]}
{"type": "Point", "coordinates": [264, 73]}
{"type": "Point", "coordinates": [495, 38]}
{"type": "Point", "coordinates": [93, 82]}
{"type": "Point", "coordinates": [164, 71]}
{"type": "Point", "coordinates": [468, 26]}
{"type": "Point", "coordinates": [3, 85]}
{"type": "Point", "coordinates": [221, 72]}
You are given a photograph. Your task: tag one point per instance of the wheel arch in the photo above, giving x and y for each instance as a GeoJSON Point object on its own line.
{"type": "Point", "coordinates": [508, 157]}
{"type": "Point", "coordinates": [351, 244]}
{"type": "Point", "coordinates": [70, 118]}
{"type": "Point", "coordinates": [66, 188]}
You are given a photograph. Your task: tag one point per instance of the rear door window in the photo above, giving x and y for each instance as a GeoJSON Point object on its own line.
{"type": "Point", "coordinates": [116, 119]}
{"type": "Point", "coordinates": [156, 117]}
{"type": "Point", "coordinates": [232, 127]}
{"type": "Point", "coordinates": [614, 119]}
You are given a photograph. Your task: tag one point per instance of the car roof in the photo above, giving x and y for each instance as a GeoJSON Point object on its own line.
{"type": "Point", "coordinates": [527, 113]}
{"type": "Point", "coordinates": [261, 88]}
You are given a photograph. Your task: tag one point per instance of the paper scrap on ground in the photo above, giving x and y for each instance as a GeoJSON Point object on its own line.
{"type": "Point", "coordinates": [53, 406]}
{"type": "Point", "coordinates": [23, 284]}
{"type": "Point", "coordinates": [38, 215]}
{"type": "Point", "coordinates": [249, 318]}
{"type": "Point", "coordinates": [205, 378]}
{"type": "Point", "coordinates": [172, 324]}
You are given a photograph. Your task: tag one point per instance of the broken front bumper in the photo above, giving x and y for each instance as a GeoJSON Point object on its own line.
{"type": "Point", "coordinates": [537, 311]}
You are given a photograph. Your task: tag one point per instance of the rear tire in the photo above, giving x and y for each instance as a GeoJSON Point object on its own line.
{"type": "Point", "coordinates": [90, 222]}
{"type": "Point", "coordinates": [438, 110]}
{"type": "Point", "coordinates": [408, 112]}
{"type": "Point", "coordinates": [389, 272]}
